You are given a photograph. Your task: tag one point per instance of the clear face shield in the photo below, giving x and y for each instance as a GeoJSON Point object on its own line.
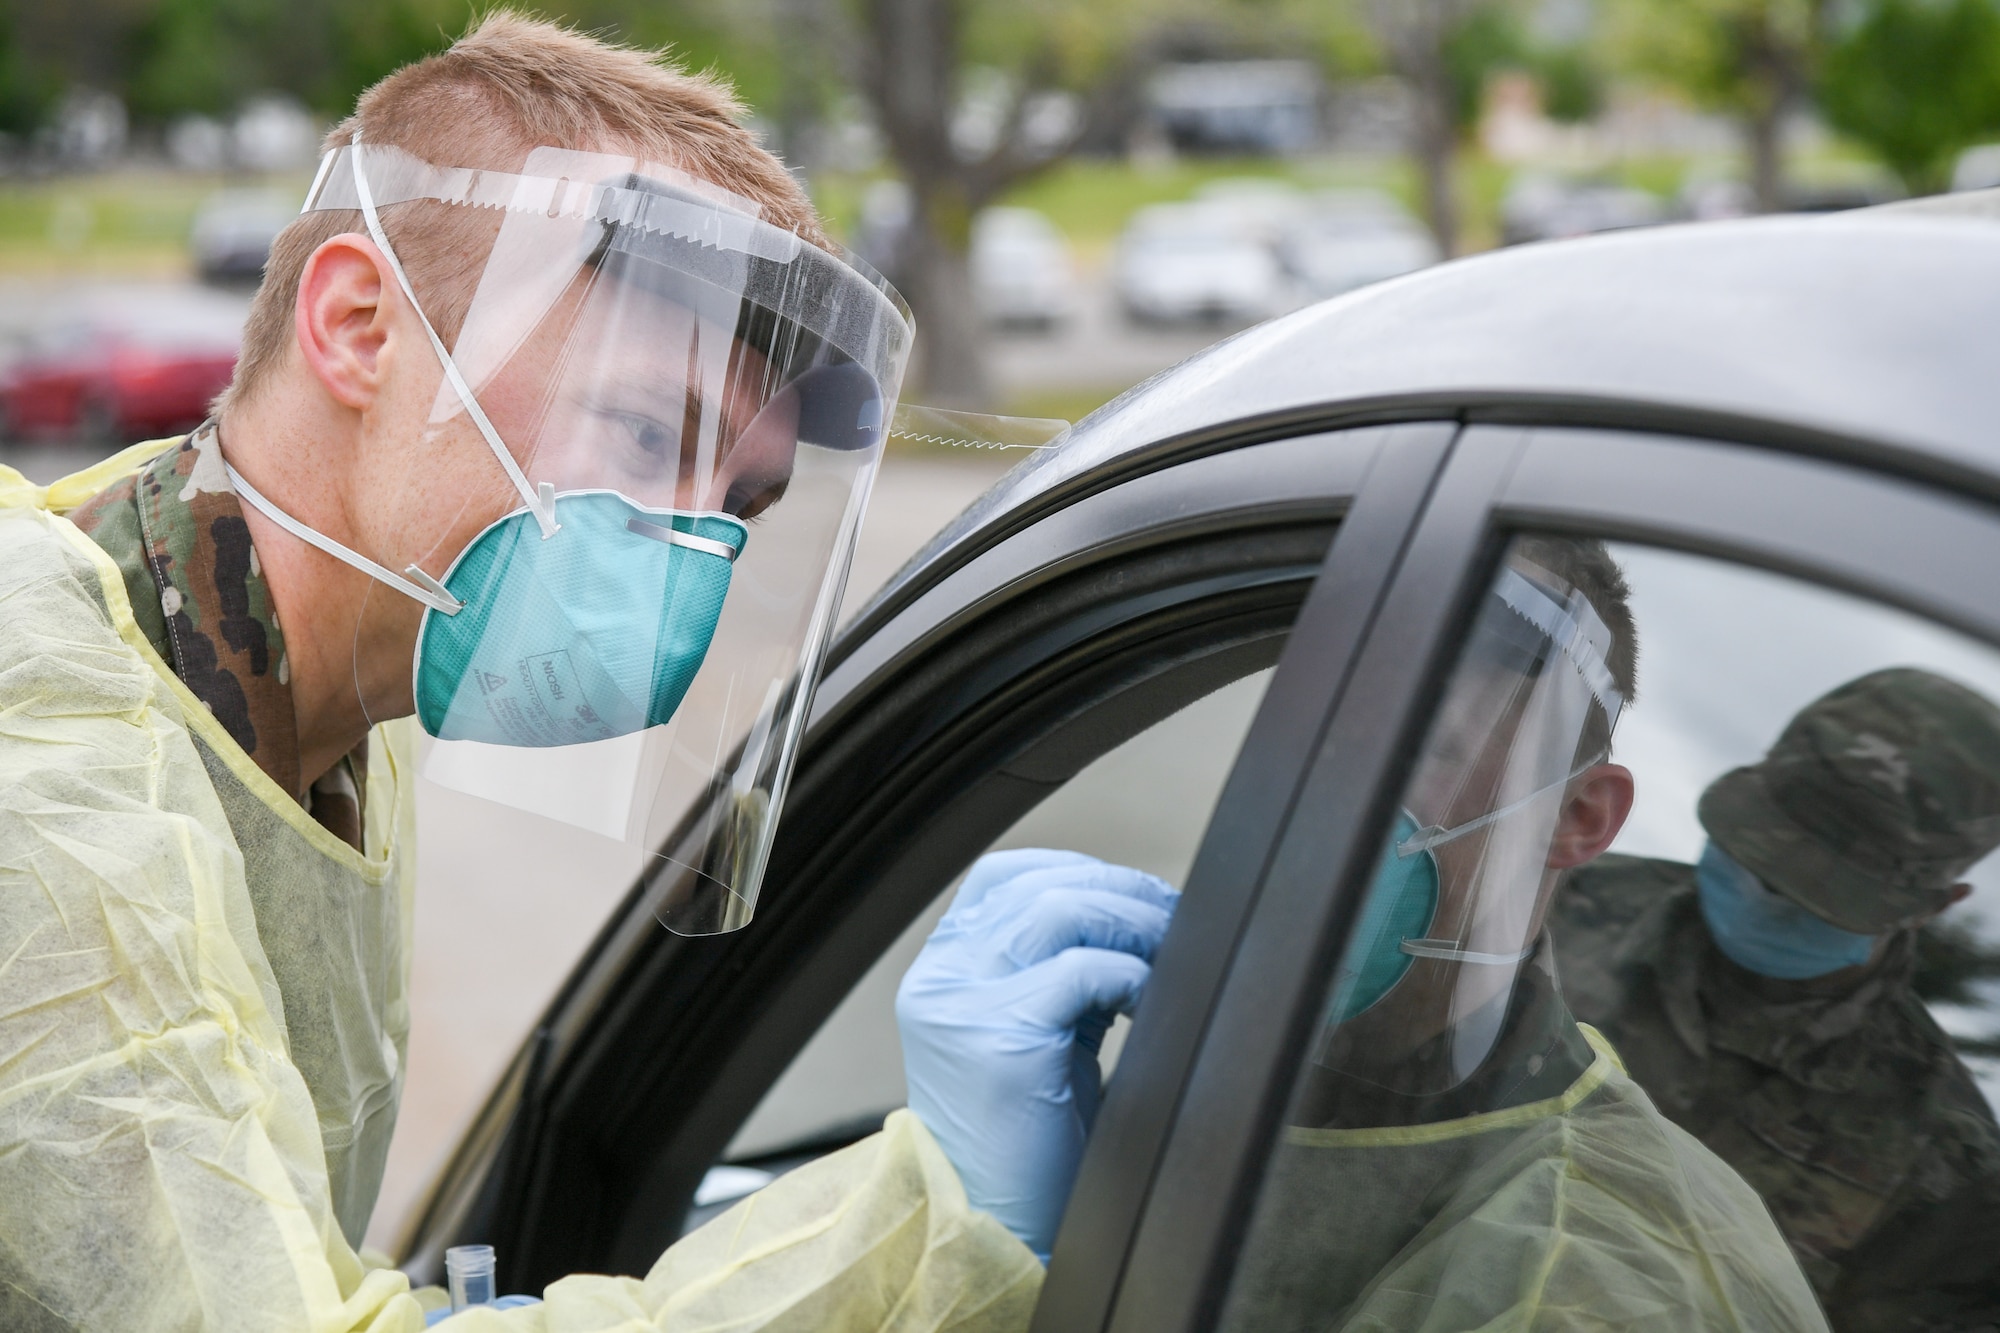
{"type": "Point", "coordinates": [683, 408]}
{"type": "Point", "coordinates": [1422, 990]}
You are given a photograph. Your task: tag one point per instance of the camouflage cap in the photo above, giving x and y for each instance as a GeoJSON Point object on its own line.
{"type": "Point", "coordinates": [1874, 801]}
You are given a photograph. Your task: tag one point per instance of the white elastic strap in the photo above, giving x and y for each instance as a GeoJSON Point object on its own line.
{"type": "Point", "coordinates": [975, 430]}
{"type": "Point", "coordinates": [434, 595]}
{"type": "Point", "coordinates": [1434, 835]}
{"type": "Point", "coordinates": [1449, 952]}
{"type": "Point", "coordinates": [541, 505]}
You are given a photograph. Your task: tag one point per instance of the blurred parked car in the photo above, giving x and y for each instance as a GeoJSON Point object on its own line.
{"type": "Point", "coordinates": [1022, 276]}
{"type": "Point", "coordinates": [125, 369]}
{"type": "Point", "coordinates": [1180, 263]}
{"type": "Point", "coordinates": [1549, 208]}
{"type": "Point", "coordinates": [1265, 208]}
{"type": "Point", "coordinates": [1350, 239]}
{"type": "Point", "coordinates": [1838, 196]}
{"type": "Point", "coordinates": [234, 231]}
{"type": "Point", "coordinates": [1977, 168]}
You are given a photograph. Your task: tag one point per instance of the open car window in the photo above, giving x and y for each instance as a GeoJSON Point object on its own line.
{"type": "Point", "coordinates": [1676, 981]}
{"type": "Point", "coordinates": [1144, 804]}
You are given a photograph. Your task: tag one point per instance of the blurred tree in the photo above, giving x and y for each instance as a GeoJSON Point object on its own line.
{"type": "Point", "coordinates": [1752, 60]}
{"type": "Point", "coordinates": [208, 55]}
{"type": "Point", "coordinates": [1443, 50]}
{"type": "Point", "coordinates": [1917, 81]}
{"type": "Point", "coordinates": [910, 59]}
{"type": "Point", "coordinates": [367, 39]}
{"type": "Point", "coordinates": [27, 89]}
{"type": "Point", "coordinates": [1572, 84]}
{"type": "Point", "coordinates": [47, 48]}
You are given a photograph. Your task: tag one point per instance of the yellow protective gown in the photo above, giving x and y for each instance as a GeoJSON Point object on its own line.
{"type": "Point", "coordinates": [198, 1072]}
{"type": "Point", "coordinates": [1589, 1210]}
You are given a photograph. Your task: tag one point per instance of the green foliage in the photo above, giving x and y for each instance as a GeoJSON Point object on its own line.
{"type": "Point", "coordinates": [1916, 81]}
{"type": "Point", "coordinates": [369, 39]}
{"type": "Point", "coordinates": [26, 89]}
{"type": "Point", "coordinates": [171, 57]}
{"type": "Point", "coordinates": [1572, 84]}
{"type": "Point", "coordinates": [1487, 40]}
{"type": "Point", "coordinates": [1733, 56]}
{"type": "Point", "coordinates": [205, 55]}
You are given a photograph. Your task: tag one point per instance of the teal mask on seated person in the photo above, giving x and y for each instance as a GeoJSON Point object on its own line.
{"type": "Point", "coordinates": [1402, 901]}
{"type": "Point", "coordinates": [1402, 904]}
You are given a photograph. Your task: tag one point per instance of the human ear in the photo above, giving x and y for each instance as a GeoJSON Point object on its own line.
{"type": "Point", "coordinates": [341, 321]}
{"type": "Point", "coordinates": [1594, 810]}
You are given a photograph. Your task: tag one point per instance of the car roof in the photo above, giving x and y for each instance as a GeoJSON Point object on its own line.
{"type": "Point", "coordinates": [1873, 331]}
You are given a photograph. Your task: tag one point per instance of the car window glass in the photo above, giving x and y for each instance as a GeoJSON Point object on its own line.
{"type": "Point", "coordinates": [1143, 804]}
{"type": "Point", "coordinates": [1680, 998]}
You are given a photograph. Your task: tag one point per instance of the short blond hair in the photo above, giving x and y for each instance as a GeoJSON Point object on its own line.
{"type": "Point", "coordinates": [508, 86]}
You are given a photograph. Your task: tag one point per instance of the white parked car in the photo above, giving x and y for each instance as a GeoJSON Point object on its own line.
{"type": "Point", "coordinates": [1181, 263]}
{"type": "Point", "coordinates": [1551, 208]}
{"type": "Point", "coordinates": [1022, 274]}
{"type": "Point", "coordinates": [1351, 238]}
{"type": "Point", "coordinates": [1263, 206]}
{"type": "Point", "coordinates": [1977, 168]}
{"type": "Point", "coordinates": [233, 233]}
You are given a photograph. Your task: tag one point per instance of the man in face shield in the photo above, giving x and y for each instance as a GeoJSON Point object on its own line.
{"type": "Point", "coordinates": [1770, 996]}
{"type": "Point", "coordinates": [1461, 1152]}
{"type": "Point", "coordinates": [507, 409]}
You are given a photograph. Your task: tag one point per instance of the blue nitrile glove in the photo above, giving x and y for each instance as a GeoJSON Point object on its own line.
{"type": "Point", "coordinates": [499, 1303]}
{"type": "Point", "coordinates": [1002, 1014]}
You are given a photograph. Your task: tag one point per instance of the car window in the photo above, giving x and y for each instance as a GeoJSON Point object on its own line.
{"type": "Point", "coordinates": [1676, 984]}
{"type": "Point", "coordinates": [1144, 804]}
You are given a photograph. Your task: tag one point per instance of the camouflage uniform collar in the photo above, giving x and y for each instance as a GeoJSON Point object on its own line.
{"type": "Point", "coordinates": [227, 645]}
{"type": "Point", "coordinates": [1711, 1002]}
{"type": "Point", "coordinates": [177, 532]}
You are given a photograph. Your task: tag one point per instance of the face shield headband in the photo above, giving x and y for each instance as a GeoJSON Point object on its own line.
{"type": "Point", "coordinates": [1520, 704]}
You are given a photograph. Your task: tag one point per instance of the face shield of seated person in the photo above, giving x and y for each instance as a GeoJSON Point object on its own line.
{"type": "Point", "coordinates": [1451, 915]}
{"type": "Point", "coordinates": [683, 409]}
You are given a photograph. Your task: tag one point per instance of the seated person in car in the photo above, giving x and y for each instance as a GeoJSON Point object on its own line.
{"type": "Point", "coordinates": [1767, 999]}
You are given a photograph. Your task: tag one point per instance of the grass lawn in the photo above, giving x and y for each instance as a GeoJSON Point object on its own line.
{"type": "Point", "coordinates": [131, 223]}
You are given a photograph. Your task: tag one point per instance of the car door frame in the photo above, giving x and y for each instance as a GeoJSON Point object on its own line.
{"type": "Point", "coordinates": [1303, 855]}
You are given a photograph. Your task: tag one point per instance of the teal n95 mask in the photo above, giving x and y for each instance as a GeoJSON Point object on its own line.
{"type": "Point", "coordinates": [1402, 901]}
{"type": "Point", "coordinates": [681, 407]}
{"type": "Point", "coordinates": [1422, 986]}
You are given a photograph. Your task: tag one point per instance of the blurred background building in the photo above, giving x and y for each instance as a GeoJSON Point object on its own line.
{"type": "Point", "coordinates": [1073, 194]}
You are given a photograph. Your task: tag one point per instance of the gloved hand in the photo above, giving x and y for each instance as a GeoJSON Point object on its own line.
{"type": "Point", "coordinates": [1002, 1014]}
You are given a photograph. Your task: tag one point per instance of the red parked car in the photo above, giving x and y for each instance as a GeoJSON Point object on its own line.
{"type": "Point", "coordinates": [127, 367]}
